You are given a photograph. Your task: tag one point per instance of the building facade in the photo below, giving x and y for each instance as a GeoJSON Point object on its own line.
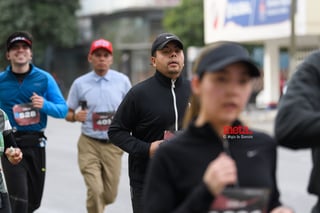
{"type": "Point", "coordinates": [272, 25]}
{"type": "Point", "coordinates": [131, 25]}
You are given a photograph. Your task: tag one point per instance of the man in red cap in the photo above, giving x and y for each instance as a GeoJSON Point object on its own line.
{"type": "Point", "coordinates": [93, 99]}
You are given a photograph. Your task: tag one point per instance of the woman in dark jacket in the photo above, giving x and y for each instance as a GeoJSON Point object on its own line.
{"type": "Point", "coordinates": [216, 154]}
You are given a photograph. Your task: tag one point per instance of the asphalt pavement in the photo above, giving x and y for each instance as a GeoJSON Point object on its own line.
{"type": "Point", "coordinates": [293, 166]}
{"type": "Point", "coordinates": [65, 190]}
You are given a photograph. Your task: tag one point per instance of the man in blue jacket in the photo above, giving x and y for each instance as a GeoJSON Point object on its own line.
{"type": "Point", "coordinates": [28, 95]}
{"type": "Point", "coordinates": [151, 110]}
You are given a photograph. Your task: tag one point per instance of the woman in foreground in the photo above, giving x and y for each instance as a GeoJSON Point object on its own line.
{"type": "Point", "coordinates": [216, 154]}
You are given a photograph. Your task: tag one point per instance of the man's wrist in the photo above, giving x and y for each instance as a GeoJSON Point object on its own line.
{"type": "Point", "coordinates": [74, 117]}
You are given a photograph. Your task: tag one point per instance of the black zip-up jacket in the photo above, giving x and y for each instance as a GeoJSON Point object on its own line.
{"type": "Point", "coordinates": [149, 108]}
{"type": "Point", "coordinates": [297, 123]}
{"type": "Point", "coordinates": [174, 182]}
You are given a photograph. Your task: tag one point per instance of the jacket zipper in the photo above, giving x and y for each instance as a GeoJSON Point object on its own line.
{"type": "Point", "coordinates": [174, 104]}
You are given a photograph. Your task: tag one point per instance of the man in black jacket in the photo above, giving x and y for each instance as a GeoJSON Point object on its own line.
{"type": "Point", "coordinates": [150, 110]}
{"type": "Point", "coordinates": [298, 120]}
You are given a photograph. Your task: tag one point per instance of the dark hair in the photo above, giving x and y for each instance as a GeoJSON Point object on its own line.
{"type": "Point", "coordinates": [194, 108]}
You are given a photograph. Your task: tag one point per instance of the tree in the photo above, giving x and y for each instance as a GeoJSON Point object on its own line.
{"type": "Point", "coordinates": [186, 21]}
{"type": "Point", "coordinates": [51, 22]}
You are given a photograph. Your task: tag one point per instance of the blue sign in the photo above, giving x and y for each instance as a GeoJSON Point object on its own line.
{"type": "Point", "coordinates": [257, 12]}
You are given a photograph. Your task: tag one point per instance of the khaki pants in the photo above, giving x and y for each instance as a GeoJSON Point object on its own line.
{"type": "Point", "coordinates": [100, 165]}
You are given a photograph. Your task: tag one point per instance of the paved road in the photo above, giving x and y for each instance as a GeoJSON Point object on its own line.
{"type": "Point", "coordinates": [293, 167]}
{"type": "Point", "coordinates": [65, 190]}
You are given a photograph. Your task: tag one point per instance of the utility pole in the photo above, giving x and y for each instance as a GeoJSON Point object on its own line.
{"type": "Point", "coordinates": [292, 47]}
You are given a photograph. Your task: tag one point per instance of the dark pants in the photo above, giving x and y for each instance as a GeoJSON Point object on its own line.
{"type": "Point", "coordinates": [25, 181]}
{"type": "Point", "coordinates": [316, 208]}
{"type": "Point", "coordinates": [4, 197]}
{"type": "Point", "coordinates": [136, 198]}
{"type": "Point", "coordinates": [5, 203]}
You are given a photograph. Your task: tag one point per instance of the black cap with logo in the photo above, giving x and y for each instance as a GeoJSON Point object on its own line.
{"type": "Point", "coordinates": [221, 54]}
{"type": "Point", "coordinates": [163, 39]}
{"type": "Point", "coordinates": [19, 36]}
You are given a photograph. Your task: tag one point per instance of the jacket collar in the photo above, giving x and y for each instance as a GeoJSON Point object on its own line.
{"type": "Point", "coordinates": [165, 80]}
{"type": "Point", "coordinates": [9, 68]}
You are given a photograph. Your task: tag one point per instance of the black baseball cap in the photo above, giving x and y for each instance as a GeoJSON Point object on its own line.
{"type": "Point", "coordinates": [163, 39]}
{"type": "Point", "coordinates": [19, 36]}
{"type": "Point", "coordinates": [221, 54]}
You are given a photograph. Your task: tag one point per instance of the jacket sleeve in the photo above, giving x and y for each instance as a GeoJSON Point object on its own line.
{"type": "Point", "coordinates": [54, 103]}
{"type": "Point", "coordinates": [123, 123]}
{"type": "Point", "coordinates": [9, 139]}
{"type": "Point", "coordinates": [298, 120]}
{"type": "Point", "coordinates": [275, 194]}
{"type": "Point", "coordinates": [160, 191]}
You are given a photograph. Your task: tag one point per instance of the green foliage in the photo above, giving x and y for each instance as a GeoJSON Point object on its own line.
{"type": "Point", "coordinates": [186, 21]}
{"type": "Point", "coordinates": [51, 22]}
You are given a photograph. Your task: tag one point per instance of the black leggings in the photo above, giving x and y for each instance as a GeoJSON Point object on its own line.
{"type": "Point", "coordinates": [25, 181]}
{"type": "Point", "coordinates": [136, 198]}
{"type": "Point", "coordinates": [4, 197]}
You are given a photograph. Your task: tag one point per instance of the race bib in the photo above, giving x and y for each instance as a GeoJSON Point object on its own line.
{"type": "Point", "coordinates": [241, 200]}
{"type": "Point", "coordinates": [25, 114]}
{"type": "Point", "coordinates": [102, 120]}
{"type": "Point", "coordinates": [170, 134]}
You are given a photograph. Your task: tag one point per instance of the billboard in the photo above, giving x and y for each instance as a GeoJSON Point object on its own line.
{"type": "Point", "coordinates": [94, 7]}
{"type": "Point", "coordinates": [246, 20]}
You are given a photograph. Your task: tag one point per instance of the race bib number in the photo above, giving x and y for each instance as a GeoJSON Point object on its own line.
{"type": "Point", "coordinates": [25, 114]}
{"type": "Point", "coordinates": [241, 200]}
{"type": "Point", "coordinates": [102, 120]}
{"type": "Point", "coordinates": [169, 134]}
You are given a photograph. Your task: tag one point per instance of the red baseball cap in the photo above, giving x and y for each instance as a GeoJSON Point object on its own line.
{"type": "Point", "coordinates": [101, 43]}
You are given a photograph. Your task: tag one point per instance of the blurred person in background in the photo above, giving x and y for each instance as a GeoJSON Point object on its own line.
{"type": "Point", "coordinates": [190, 172]}
{"type": "Point", "coordinates": [28, 95]}
{"type": "Point", "coordinates": [93, 99]}
{"type": "Point", "coordinates": [152, 110]}
{"type": "Point", "coordinates": [297, 122]}
{"type": "Point", "coordinates": [12, 153]}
